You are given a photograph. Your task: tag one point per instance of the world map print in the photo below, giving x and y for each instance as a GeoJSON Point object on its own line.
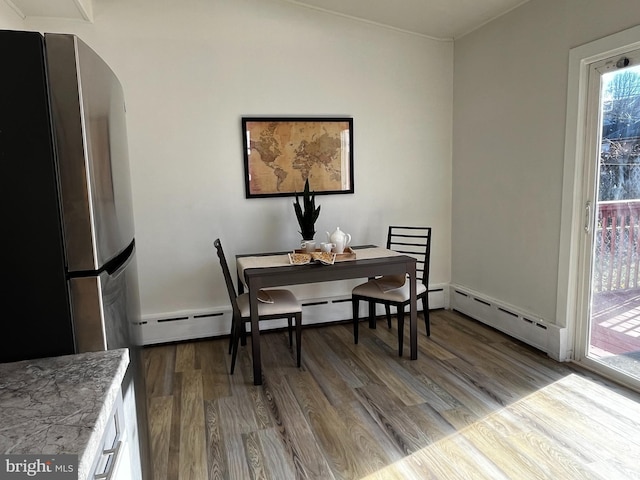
{"type": "Point", "coordinates": [281, 155]}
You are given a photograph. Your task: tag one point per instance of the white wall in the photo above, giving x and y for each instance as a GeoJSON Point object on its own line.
{"type": "Point", "coordinates": [510, 84]}
{"type": "Point", "coordinates": [9, 19]}
{"type": "Point", "coordinates": [192, 69]}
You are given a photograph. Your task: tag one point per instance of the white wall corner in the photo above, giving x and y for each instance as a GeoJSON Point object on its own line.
{"type": "Point", "coordinates": [15, 9]}
{"type": "Point", "coordinates": [85, 7]}
{"type": "Point", "coordinates": [559, 348]}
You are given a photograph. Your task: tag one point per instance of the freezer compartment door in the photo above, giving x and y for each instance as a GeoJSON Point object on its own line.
{"type": "Point", "coordinates": [89, 125]}
{"type": "Point", "coordinates": [106, 308]}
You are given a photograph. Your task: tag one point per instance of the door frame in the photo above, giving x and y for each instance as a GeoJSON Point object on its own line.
{"type": "Point", "coordinates": [571, 304]}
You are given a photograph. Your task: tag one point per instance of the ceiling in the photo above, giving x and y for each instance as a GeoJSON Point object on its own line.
{"type": "Point", "coordinates": [76, 9]}
{"type": "Point", "coordinates": [440, 19]}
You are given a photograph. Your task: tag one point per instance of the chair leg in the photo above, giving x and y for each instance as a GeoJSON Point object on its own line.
{"type": "Point", "coordinates": [372, 314]}
{"type": "Point", "coordinates": [387, 309]}
{"type": "Point", "coordinates": [425, 312]}
{"type": "Point", "coordinates": [400, 329]}
{"type": "Point", "coordinates": [355, 303]}
{"type": "Point", "coordinates": [236, 340]}
{"type": "Point", "coordinates": [290, 338]}
{"type": "Point", "coordinates": [231, 335]}
{"type": "Point", "coordinates": [298, 336]}
{"type": "Point", "coordinates": [243, 329]}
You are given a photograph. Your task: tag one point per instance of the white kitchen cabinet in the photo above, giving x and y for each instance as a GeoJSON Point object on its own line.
{"type": "Point", "coordinates": [118, 456]}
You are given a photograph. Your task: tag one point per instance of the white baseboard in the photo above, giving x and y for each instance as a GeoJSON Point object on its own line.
{"type": "Point", "coordinates": [193, 324]}
{"type": "Point", "coordinates": [525, 326]}
{"type": "Point", "coordinates": [185, 325]}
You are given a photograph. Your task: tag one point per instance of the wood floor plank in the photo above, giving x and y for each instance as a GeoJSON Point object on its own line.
{"type": "Point", "coordinates": [553, 461]}
{"type": "Point", "coordinates": [593, 395]}
{"type": "Point", "coordinates": [377, 450]}
{"type": "Point", "coordinates": [340, 340]}
{"type": "Point", "coordinates": [439, 398]}
{"type": "Point", "coordinates": [243, 374]}
{"type": "Point", "coordinates": [215, 385]}
{"type": "Point", "coordinates": [515, 461]}
{"type": "Point", "coordinates": [185, 357]}
{"type": "Point", "coordinates": [295, 433]}
{"type": "Point", "coordinates": [236, 418]}
{"type": "Point", "coordinates": [430, 422]}
{"type": "Point", "coordinates": [384, 408]}
{"type": "Point", "coordinates": [493, 387]}
{"type": "Point", "coordinates": [276, 351]}
{"type": "Point", "coordinates": [193, 455]}
{"type": "Point", "coordinates": [615, 468]}
{"type": "Point", "coordinates": [260, 408]}
{"type": "Point", "coordinates": [455, 458]}
{"type": "Point", "coordinates": [217, 467]}
{"type": "Point", "coordinates": [509, 381]}
{"type": "Point", "coordinates": [254, 456]}
{"type": "Point", "coordinates": [475, 404]}
{"type": "Point", "coordinates": [427, 392]}
{"type": "Point", "coordinates": [160, 409]}
{"type": "Point", "coordinates": [335, 378]}
{"type": "Point", "coordinates": [159, 369]}
{"type": "Point", "coordinates": [464, 386]}
{"type": "Point", "coordinates": [210, 357]}
{"type": "Point", "coordinates": [613, 438]}
{"type": "Point", "coordinates": [468, 329]}
{"type": "Point", "coordinates": [386, 370]}
{"type": "Point", "coordinates": [546, 424]}
{"type": "Point", "coordinates": [173, 463]}
{"type": "Point", "coordinates": [329, 430]}
{"type": "Point", "coordinates": [460, 417]}
{"type": "Point", "coordinates": [277, 462]}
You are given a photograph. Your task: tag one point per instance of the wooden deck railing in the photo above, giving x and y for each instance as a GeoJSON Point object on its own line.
{"type": "Point", "coordinates": [617, 246]}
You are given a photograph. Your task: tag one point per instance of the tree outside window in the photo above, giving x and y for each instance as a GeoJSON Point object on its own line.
{"type": "Point", "coordinates": [620, 149]}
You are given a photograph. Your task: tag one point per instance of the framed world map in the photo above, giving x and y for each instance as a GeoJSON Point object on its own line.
{"type": "Point", "coordinates": [280, 153]}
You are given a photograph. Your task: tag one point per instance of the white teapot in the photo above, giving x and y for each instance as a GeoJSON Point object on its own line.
{"type": "Point", "coordinates": [340, 239]}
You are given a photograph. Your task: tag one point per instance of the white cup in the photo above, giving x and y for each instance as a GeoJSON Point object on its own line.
{"type": "Point", "coordinates": [308, 245]}
{"type": "Point", "coordinates": [326, 247]}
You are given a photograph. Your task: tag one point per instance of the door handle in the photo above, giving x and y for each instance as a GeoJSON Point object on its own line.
{"type": "Point", "coordinates": [587, 217]}
{"type": "Point", "coordinates": [114, 453]}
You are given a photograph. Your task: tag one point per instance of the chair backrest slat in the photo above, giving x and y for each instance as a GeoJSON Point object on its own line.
{"type": "Point", "coordinates": [407, 235]}
{"type": "Point", "coordinates": [413, 241]}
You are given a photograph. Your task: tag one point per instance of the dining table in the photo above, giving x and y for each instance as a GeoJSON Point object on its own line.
{"type": "Point", "coordinates": [274, 269]}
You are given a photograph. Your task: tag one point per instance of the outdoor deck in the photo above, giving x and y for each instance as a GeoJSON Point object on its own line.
{"type": "Point", "coordinates": [615, 329]}
{"type": "Point", "coordinates": [615, 321]}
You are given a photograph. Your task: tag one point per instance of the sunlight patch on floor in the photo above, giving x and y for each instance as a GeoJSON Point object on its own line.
{"type": "Point", "coordinates": [520, 441]}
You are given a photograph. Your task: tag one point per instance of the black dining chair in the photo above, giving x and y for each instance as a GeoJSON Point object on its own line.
{"type": "Point", "coordinates": [394, 291]}
{"type": "Point", "coordinates": [273, 304]}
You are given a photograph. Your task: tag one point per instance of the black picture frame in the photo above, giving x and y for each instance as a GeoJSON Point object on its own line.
{"type": "Point", "coordinates": [280, 153]}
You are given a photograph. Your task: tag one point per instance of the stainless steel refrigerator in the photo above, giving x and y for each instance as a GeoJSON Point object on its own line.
{"type": "Point", "coordinates": [67, 222]}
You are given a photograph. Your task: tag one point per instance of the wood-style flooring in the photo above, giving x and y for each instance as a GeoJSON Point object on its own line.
{"type": "Point", "coordinates": [476, 404]}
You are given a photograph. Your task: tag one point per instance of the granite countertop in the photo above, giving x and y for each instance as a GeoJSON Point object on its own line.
{"type": "Point", "coordinates": [59, 405]}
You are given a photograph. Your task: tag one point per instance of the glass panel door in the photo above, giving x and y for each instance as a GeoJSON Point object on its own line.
{"type": "Point", "coordinates": [613, 334]}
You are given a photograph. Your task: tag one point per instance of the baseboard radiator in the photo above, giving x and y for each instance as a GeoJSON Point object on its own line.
{"type": "Point", "coordinates": [193, 324]}
{"type": "Point", "coordinates": [184, 325]}
{"type": "Point", "coordinates": [525, 326]}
